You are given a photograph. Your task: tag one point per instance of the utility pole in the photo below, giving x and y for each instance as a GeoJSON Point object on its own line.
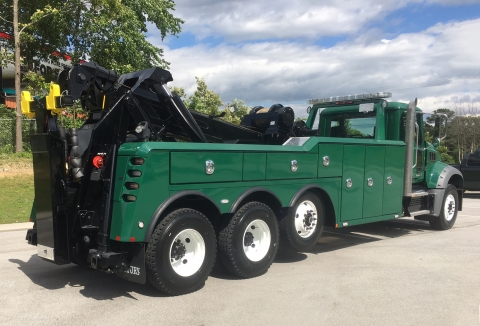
{"type": "Point", "coordinates": [18, 125]}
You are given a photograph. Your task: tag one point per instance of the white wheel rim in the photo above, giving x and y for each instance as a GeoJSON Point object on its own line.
{"type": "Point", "coordinates": [187, 252]}
{"type": "Point", "coordinates": [256, 240]}
{"type": "Point", "coordinates": [449, 208]}
{"type": "Point", "coordinates": [305, 219]}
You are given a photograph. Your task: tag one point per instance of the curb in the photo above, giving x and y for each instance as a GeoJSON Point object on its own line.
{"type": "Point", "coordinates": [16, 226]}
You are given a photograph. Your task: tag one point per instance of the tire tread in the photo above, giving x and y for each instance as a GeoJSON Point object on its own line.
{"type": "Point", "coordinates": [226, 246]}
{"type": "Point", "coordinates": [152, 273]}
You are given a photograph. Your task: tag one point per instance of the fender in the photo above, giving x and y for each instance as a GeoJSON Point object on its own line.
{"type": "Point", "coordinates": [438, 174]}
{"type": "Point", "coordinates": [302, 190]}
{"type": "Point", "coordinates": [164, 206]}
{"type": "Point", "coordinates": [248, 192]}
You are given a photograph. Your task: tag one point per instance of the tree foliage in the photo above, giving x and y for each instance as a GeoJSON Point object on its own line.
{"type": "Point", "coordinates": [463, 131]}
{"type": "Point", "coordinates": [111, 32]}
{"type": "Point", "coordinates": [238, 109]}
{"type": "Point", "coordinates": [208, 102]}
{"type": "Point", "coordinates": [204, 100]}
{"type": "Point", "coordinates": [35, 83]}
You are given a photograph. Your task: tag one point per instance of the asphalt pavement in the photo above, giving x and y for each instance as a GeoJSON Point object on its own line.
{"type": "Point", "coordinates": [389, 273]}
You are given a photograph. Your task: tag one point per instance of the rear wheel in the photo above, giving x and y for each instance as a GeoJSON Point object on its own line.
{"type": "Point", "coordinates": [181, 253]}
{"type": "Point", "coordinates": [249, 243]}
{"type": "Point", "coordinates": [448, 213]}
{"type": "Point", "coordinates": [301, 228]}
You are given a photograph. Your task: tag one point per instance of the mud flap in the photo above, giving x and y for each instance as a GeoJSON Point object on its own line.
{"type": "Point", "coordinates": [135, 271]}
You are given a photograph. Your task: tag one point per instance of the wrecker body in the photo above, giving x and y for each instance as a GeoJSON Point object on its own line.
{"type": "Point", "coordinates": [147, 189]}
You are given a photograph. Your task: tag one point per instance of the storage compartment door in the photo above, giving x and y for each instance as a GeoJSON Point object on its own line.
{"type": "Point", "coordinates": [373, 183]}
{"type": "Point", "coordinates": [352, 182]}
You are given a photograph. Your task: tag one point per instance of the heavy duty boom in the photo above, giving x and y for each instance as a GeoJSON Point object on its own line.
{"type": "Point", "coordinates": [146, 188]}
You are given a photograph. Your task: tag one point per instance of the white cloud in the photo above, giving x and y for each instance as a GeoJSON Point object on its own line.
{"type": "Point", "coordinates": [246, 20]}
{"type": "Point", "coordinates": [435, 65]}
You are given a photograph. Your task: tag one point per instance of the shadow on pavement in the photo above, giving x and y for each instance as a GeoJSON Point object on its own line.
{"type": "Point", "coordinates": [470, 194]}
{"type": "Point", "coordinates": [101, 286]}
{"type": "Point", "coordinates": [92, 284]}
{"type": "Point", "coordinates": [283, 256]}
{"type": "Point", "coordinates": [335, 239]}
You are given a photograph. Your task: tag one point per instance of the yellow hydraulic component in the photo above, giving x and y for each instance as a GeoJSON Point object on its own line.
{"type": "Point", "coordinates": [26, 99]}
{"type": "Point", "coordinates": [50, 99]}
{"type": "Point", "coordinates": [103, 103]}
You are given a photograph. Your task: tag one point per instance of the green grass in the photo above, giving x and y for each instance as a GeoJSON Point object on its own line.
{"type": "Point", "coordinates": [16, 197]}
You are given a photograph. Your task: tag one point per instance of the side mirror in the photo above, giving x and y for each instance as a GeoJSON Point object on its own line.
{"type": "Point", "coordinates": [441, 119]}
{"type": "Point", "coordinates": [436, 125]}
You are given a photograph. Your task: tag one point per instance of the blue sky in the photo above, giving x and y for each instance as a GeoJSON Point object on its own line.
{"type": "Point", "coordinates": [290, 51]}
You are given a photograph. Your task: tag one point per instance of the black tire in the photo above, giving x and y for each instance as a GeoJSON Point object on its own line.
{"type": "Point", "coordinates": [162, 254]}
{"type": "Point", "coordinates": [449, 211]}
{"type": "Point", "coordinates": [299, 237]}
{"type": "Point", "coordinates": [240, 252]}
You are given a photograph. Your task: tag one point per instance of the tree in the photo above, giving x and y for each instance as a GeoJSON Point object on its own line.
{"type": "Point", "coordinates": [111, 32]}
{"type": "Point", "coordinates": [35, 83]}
{"type": "Point", "coordinates": [204, 100]}
{"type": "Point", "coordinates": [238, 110]}
{"type": "Point", "coordinates": [208, 102]}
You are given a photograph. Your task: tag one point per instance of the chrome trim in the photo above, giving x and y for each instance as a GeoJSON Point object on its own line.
{"type": "Point", "coordinates": [419, 194]}
{"type": "Point", "coordinates": [45, 252]}
{"type": "Point", "coordinates": [424, 212]}
{"type": "Point", "coordinates": [209, 167]}
{"type": "Point", "coordinates": [326, 161]}
{"type": "Point", "coordinates": [294, 166]}
{"type": "Point", "coordinates": [389, 180]}
{"type": "Point", "coordinates": [349, 183]}
{"type": "Point", "coordinates": [370, 182]}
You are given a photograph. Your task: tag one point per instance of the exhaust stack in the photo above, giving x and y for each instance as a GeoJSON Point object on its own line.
{"type": "Point", "coordinates": [409, 142]}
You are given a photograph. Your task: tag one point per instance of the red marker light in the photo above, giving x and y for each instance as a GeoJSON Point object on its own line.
{"type": "Point", "coordinates": [98, 162]}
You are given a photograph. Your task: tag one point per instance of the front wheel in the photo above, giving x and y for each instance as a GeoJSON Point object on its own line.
{"type": "Point", "coordinates": [448, 213]}
{"type": "Point", "coordinates": [181, 253]}
{"type": "Point", "coordinates": [249, 243]}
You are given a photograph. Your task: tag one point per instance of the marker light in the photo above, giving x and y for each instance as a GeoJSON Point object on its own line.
{"type": "Point", "coordinates": [134, 173]}
{"type": "Point", "coordinates": [334, 99]}
{"type": "Point", "coordinates": [129, 198]}
{"type": "Point", "coordinates": [98, 162]}
{"type": "Point", "coordinates": [132, 185]}
{"type": "Point", "coordinates": [137, 161]}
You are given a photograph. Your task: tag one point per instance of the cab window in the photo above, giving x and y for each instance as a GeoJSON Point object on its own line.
{"type": "Point", "coordinates": [353, 127]}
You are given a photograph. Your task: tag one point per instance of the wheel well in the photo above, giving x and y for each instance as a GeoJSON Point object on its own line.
{"type": "Point", "coordinates": [457, 181]}
{"type": "Point", "coordinates": [196, 202]}
{"type": "Point", "coordinates": [266, 198]}
{"type": "Point", "coordinates": [330, 219]}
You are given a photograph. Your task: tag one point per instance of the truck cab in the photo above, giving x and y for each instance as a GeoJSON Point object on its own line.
{"type": "Point", "coordinates": [372, 117]}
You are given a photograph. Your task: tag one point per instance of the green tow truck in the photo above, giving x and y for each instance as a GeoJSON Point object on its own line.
{"type": "Point", "coordinates": [149, 190]}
